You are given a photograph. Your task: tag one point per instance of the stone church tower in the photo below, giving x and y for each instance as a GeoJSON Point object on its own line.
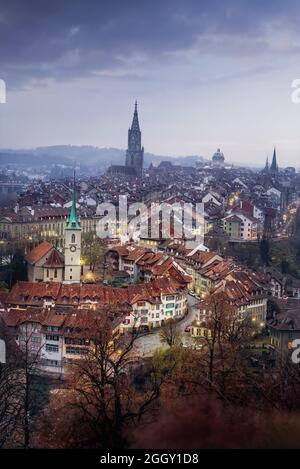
{"type": "Point", "coordinates": [135, 151]}
{"type": "Point", "coordinates": [274, 167]}
{"type": "Point", "coordinates": [72, 249]}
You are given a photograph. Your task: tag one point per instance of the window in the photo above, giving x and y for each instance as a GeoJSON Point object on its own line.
{"type": "Point", "coordinates": [75, 341]}
{"type": "Point", "coordinates": [35, 339]}
{"type": "Point", "coordinates": [52, 348]}
{"type": "Point", "coordinates": [73, 238]}
{"type": "Point", "coordinates": [52, 363]}
{"type": "Point", "coordinates": [52, 337]}
{"type": "Point", "coordinates": [55, 273]}
{"type": "Point", "coordinates": [34, 346]}
{"type": "Point", "coordinates": [76, 350]}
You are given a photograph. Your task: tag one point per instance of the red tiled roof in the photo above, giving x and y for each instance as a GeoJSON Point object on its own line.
{"type": "Point", "coordinates": [135, 254]}
{"type": "Point", "coordinates": [287, 320]}
{"type": "Point", "coordinates": [3, 297]}
{"type": "Point", "coordinates": [34, 294]}
{"type": "Point", "coordinates": [121, 250]}
{"type": "Point", "coordinates": [233, 219]}
{"type": "Point", "coordinates": [54, 260]}
{"type": "Point", "coordinates": [38, 252]}
{"type": "Point", "coordinates": [79, 320]}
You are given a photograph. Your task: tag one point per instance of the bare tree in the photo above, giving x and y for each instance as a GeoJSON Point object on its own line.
{"type": "Point", "coordinates": [103, 393]}
{"type": "Point", "coordinates": [169, 332]}
{"type": "Point", "coordinates": [93, 251]}
{"type": "Point", "coordinates": [10, 406]}
{"type": "Point", "coordinates": [219, 365]}
{"type": "Point", "coordinates": [31, 388]}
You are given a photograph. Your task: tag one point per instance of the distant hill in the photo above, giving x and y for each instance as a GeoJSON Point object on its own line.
{"type": "Point", "coordinates": [86, 156]}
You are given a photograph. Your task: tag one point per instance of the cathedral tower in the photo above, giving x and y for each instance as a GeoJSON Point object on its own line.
{"type": "Point", "coordinates": [274, 166]}
{"type": "Point", "coordinates": [135, 151]}
{"type": "Point", "coordinates": [72, 249]}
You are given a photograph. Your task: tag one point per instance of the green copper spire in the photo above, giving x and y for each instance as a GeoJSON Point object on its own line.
{"type": "Point", "coordinates": [73, 222]}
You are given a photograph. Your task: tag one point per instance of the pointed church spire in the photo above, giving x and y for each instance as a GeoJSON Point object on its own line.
{"type": "Point", "coordinates": [73, 222]}
{"type": "Point", "coordinates": [135, 151]}
{"type": "Point", "coordinates": [274, 166]}
{"type": "Point", "coordinates": [267, 164]}
{"type": "Point", "coordinates": [135, 121]}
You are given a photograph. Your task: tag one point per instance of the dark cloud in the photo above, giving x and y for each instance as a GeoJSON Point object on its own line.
{"type": "Point", "coordinates": [65, 39]}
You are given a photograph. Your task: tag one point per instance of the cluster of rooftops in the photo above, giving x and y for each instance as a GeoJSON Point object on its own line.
{"type": "Point", "coordinates": [37, 294]}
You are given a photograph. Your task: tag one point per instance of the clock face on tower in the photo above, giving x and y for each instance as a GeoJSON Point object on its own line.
{"type": "Point", "coordinates": [72, 248]}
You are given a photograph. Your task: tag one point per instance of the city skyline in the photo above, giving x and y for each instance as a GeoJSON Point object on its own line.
{"type": "Point", "coordinates": [209, 76]}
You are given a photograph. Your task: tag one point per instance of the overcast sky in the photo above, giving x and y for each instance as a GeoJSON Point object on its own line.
{"type": "Point", "coordinates": [206, 74]}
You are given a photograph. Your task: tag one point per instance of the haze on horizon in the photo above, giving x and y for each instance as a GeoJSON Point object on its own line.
{"type": "Point", "coordinates": [206, 74]}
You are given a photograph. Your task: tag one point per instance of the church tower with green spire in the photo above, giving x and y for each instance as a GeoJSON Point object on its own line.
{"type": "Point", "coordinates": [72, 249]}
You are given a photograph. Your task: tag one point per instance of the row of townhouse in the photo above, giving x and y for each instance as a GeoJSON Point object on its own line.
{"type": "Point", "coordinates": [153, 312]}
{"type": "Point", "coordinates": [284, 327]}
{"type": "Point", "coordinates": [204, 268]}
{"type": "Point", "coordinates": [281, 285]}
{"type": "Point", "coordinates": [144, 265]}
{"type": "Point", "coordinates": [247, 289]}
{"type": "Point", "coordinates": [240, 227]}
{"type": "Point", "coordinates": [244, 221]}
{"type": "Point", "coordinates": [247, 304]}
{"type": "Point", "coordinates": [148, 304]}
{"type": "Point", "coordinates": [32, 225]}
{"type": "Point", "coordinates": [52, 338]}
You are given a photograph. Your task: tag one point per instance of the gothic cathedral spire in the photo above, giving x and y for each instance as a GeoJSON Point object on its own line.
{"type": "Point", "coordinates": [267, 165]}
{"type": "Point", "coordinates": [274, 167]}
{"type": "Point", "coordinates": [135, 151]}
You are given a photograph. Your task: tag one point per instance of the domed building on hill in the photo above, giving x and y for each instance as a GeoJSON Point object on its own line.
{"type": "Point", "coordinates": [218, 159]}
